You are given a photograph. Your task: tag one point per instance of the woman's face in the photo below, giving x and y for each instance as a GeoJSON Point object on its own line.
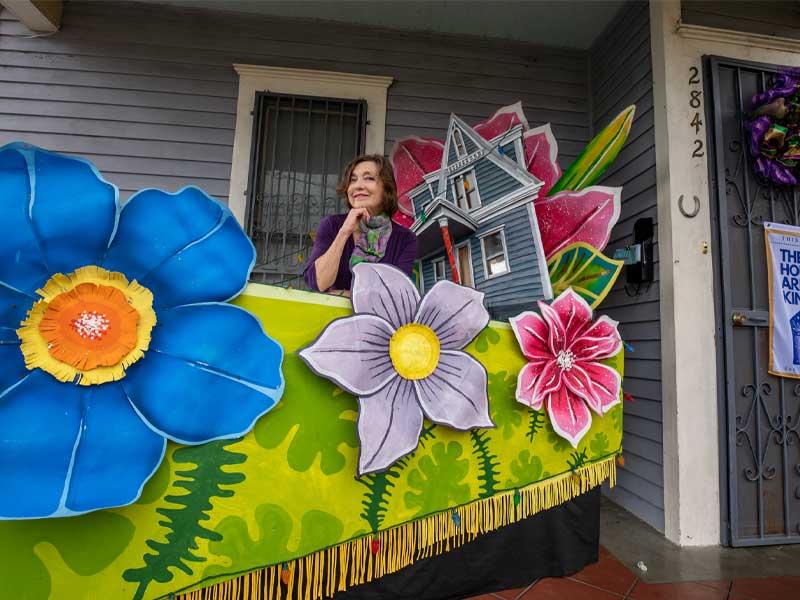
{"type": "Point", "coordinates": [366, 188]}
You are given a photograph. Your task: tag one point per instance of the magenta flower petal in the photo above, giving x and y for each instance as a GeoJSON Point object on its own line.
{"type": "Point", "coordinates": [389, 424]}
{"type": "Point", "coordinates": [411, 158]}
{"type": "Point", "coordinates": [606, 385]}
{"type": "Point", "coordinates": [501, 121]}
{"type": "Point", "coordinates": [585, 216]}
{"type": "Point", "coordinates": [532, 334]}
{"type": "Point", "coordinates": [526, 380]}
{"type": "Point", "coordinates": [541, 156]}
{"type": "Point", "coordinates": [569, 415]}
{"type": "Point", "coordinates": [548, 381]}
{"type": "Point", "coordinates": [455, 393]}
{"type": "Point", "coordinates": [601, 340]}
{"type": "Point", "coordinates": [454, 312]}
{"type": "Point", "coordinates": [353, 352]}
{"type": "Point", "coordinates": [385, 291]}
{"type": "Point", "coordinates": [580, 383]}
{"type": "Point", "coordinates": [574, 312]}
{"type": "Point", "coordinates": [556, 334]}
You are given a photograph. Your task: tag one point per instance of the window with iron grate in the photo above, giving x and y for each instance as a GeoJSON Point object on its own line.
{"type": "Point", "coordinates": [300, 145]}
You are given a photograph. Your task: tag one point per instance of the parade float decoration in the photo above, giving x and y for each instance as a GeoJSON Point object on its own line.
{"type": "Point", "coordinates": [774, 130]}
{"type": "Point", "coordinates": [323, 492]}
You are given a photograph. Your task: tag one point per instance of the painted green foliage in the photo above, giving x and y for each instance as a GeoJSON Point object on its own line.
{"type": "Point", "coordinates": [536, 421]}
{"type": "Point", "coordinates": [487, 462]}
{"type": "Point", "coordinates": [183, 520]}
{"type": "Point", "coordinates": [487, 337]}
{"type": "Point", "coordinates": [318, 529]}
{"type": "Point", "coordinates": [599, 445]}
{"type": "Point", "coordinates": [506, 411]}
{"type": "Point", "coordinates": [598, 154]}
{"type": "Point", "coordinates": [559, 443]}
{"type": "Point", "coordinates": [380, 485]}
{"type": "Point", "coordinates": [586, 270]}
{"type": "Point", "coordinates": [87, 544]}
{"type": "Point", "coordinates": [438, 479]}
{"type": "Point", "coordinates": [577, 459]}
{"type": "Point", "coordinates": [526, 468]}
{"type": "Point", "coordinates": [323, 427]}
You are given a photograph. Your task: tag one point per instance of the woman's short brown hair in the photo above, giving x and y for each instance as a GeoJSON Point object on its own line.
{"type": "Point", "coordinates": [386, 174]}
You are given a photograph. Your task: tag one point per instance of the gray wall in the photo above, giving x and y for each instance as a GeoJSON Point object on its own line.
{"type": "Point", "coordinates": [149, 94]}
{"type": "Point", "coordinates": [767, 17]}
{"type": "Point", "coordinates": [621, 75]}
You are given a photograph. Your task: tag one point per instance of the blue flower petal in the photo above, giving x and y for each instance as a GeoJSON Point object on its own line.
{"type": "Point", "coordinates": [22, 266]}
{"type": "Point", "coordinates": [73, 209]}
{"type": "Point", "coordinates": [185, 247]}
{"type": "Point", "coordinates": [117, 452]}
{"type": "Point", "coordinates": [12, 364]}
{"type": "Point", "coordinates": [14, 304]}
{"type": "Point", "coordinates": [39, 426]}
{"type": "Point", "coordinates": [210, 373]}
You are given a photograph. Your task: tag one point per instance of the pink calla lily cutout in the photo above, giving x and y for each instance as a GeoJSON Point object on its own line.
{"type": "Point", "coordinates": [564, 347]}
{"type": "Point", "coordinates": [564, 218]}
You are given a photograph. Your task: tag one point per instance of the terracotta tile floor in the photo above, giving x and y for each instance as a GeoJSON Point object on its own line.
{"type": "Point", "coordinates": [609, 579]}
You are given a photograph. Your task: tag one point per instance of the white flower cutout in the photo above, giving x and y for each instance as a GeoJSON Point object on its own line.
{"type": "Point", "coordinates": [404, 359]}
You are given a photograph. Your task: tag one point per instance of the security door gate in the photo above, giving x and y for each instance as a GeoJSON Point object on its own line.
{"type": "Point", "coordinates": [760, 412]}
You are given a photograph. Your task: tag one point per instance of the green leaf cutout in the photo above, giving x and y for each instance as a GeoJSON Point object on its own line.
{"type": "Point", "coordinates": [586, 270]}
{"type": "Point", "coordinates": [597, 156]}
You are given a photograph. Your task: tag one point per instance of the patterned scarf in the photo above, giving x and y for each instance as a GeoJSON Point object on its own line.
{"type": "Point", "coordinates": [371, 238]}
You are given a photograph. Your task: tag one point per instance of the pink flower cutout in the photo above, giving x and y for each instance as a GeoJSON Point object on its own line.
{"type": "Point", "coordinates": [564, 348]}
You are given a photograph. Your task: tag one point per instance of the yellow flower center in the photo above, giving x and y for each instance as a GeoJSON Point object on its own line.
{"type": "Point", "coordinates": [89, 326]}
{"type": "Point", "coordinates": [414, 350]}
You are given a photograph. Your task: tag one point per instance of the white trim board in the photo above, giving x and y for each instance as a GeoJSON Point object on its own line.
{"type": "Point", "coordinates": [306, 82]}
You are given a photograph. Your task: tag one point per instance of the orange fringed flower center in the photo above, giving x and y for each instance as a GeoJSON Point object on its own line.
{"type": "Point", "coordinates": [90, 326]}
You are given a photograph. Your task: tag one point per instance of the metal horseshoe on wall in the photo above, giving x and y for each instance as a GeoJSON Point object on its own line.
{"type": "Point", "coordinates": [684, 212]}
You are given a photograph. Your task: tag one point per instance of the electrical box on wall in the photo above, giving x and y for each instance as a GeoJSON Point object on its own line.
{"type": "Point", "coordinates": [638, 258]}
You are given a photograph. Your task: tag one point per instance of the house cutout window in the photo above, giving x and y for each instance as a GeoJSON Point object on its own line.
{"type": "Point", "coordinates": [466, 191]}
{"type": "Point", "coordinates": [458, 139]}
{"type": "Point", "coordinates": [495, 256]}
{"type": "Point", "coordinates": [439, 273]}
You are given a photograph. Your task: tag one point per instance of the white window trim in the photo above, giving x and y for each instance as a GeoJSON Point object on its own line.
{"type": "Point", "coordinates": [473, 183]}
{"type": "Point", "coordinates": [501, 230]}
{"type": "Point", "coordinates": [460, 137]}
{"type": "Point", "coordinates": [468, 246]}
{"type": "Point", "coordinates": [305, 82]}
{"type": "Point", "coordinates": [444, 270]}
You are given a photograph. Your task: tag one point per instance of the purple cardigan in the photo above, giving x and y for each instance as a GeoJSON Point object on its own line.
{"type": "Point", "coordinates": [401, 251]}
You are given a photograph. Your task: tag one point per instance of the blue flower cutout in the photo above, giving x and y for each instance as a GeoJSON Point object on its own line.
{"type": "Point", "coordinates": [115, 335]}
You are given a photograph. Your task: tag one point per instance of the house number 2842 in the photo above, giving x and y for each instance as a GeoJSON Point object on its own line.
{"type": "Point", "coordinates": [695, 102]}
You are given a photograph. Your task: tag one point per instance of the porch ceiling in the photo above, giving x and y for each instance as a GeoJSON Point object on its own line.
{"type": "Point", "coordinates": [565, 23]}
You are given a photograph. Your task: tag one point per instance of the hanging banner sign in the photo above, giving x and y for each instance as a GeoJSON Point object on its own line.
{"type": "Point", "coordinates": [783, 267]}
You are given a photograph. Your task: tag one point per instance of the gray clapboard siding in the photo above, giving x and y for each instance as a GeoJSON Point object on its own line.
{"type": "Point", "coordinates": [761, 16]}
{"type": "Point", "coordinates": [621, 74]}
{"type": "Point", "coordinates": [494, 182]}
{"type": "Point", "coordinates": [514, 288]}
{"type": "Point", "coordinates": [149, 93]}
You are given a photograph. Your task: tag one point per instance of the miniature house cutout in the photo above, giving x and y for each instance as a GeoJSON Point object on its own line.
{"type": "Point", "coordinates": [480, 204]}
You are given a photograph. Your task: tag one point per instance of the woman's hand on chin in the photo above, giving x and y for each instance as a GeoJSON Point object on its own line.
{"type": "Point", "coordinates": [353, 217]}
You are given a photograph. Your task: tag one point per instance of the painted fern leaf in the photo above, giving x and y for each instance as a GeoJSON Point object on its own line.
{"type": "Point", "coordinates": [535, 424]}
{"type": "Point", "coordinates": [186, 512]}
{"type": "Point", "coordinates": [487, 462]}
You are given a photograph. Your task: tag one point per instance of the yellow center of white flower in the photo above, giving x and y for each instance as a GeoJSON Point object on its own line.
{"type": "Point", "coordinates": [414, 350]}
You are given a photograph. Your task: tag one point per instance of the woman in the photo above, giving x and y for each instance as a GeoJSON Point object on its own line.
{"type": "Point", "coordinates": [364, 234]}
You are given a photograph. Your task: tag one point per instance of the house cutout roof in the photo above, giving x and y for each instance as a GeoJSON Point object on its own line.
{"type": "Point", "coordinates": [476, 148]}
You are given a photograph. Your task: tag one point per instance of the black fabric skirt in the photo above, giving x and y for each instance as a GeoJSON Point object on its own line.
{"type": "Point", "coordinates": [553, 543]}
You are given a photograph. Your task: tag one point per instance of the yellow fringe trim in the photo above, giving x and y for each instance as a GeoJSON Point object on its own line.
{"type": "Point", "coordinates": [352, 563]}
{"type": "Point", "coordinates": [34, 346]}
